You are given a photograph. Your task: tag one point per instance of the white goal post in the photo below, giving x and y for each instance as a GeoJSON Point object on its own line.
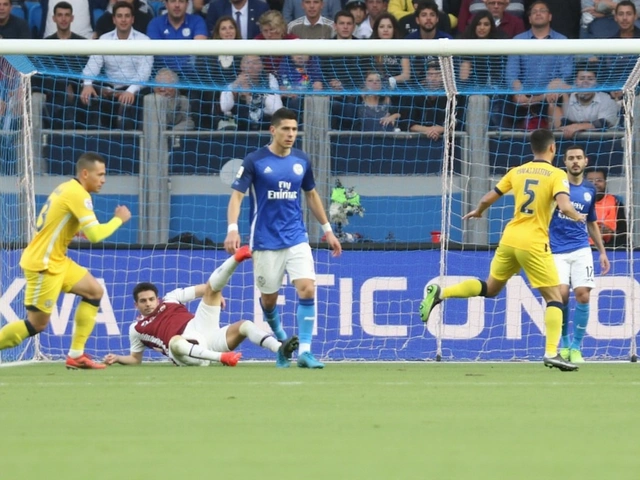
{"type": "Point", "coordinates": [412, 230]}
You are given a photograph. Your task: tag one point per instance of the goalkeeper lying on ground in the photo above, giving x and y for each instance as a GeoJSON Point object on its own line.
{"type": "Point", "coordinates": [165, 325]}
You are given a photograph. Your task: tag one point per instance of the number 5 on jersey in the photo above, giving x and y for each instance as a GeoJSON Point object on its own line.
{"type": "Point", "coordinates": [529, 191]}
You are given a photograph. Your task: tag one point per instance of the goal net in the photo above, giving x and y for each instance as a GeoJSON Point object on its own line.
{"type": "Point", "coordinates": [399, 157]}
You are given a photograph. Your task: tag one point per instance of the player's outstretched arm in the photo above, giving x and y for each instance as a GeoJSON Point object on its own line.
{"type": "Point", "coordinates": [232, 242]}
{"type": "Point", "coordinates": [566, 207]}
{"type": "Point", "coordinates": [315, 205]}
{"type": "Point", "coordinates": [134, 358]}
{"type": "Point", "coordinates": [594, 233]}
{"type": "Point", "coordinates": [98, 232]}
{"type": "Point", "coordinates": [486, 201]}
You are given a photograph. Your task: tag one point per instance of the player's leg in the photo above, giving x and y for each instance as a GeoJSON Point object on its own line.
{"type": "Point", "coordinates": [190, 349]}
{"type": "Point", "coordinates": [543, 275]}
{"type": "Point", "coordinates": [565, 337]}
{"type": "Point", "coordinates": [302, 273]}
{"type": "Point", "coordinates": [583, 281]}
{"type": "Point", "coordinates": [237, 332]}
{"type": "Point", "coordinates": [503, 267]}
{"type": "Point", "coordinates": [268, 271]}
{"type": "Point", "coordinates": [221, 275]}
{"type": "Point", "coordinates": [563, 263]}
{"type": "Point", "coordinates": [42, 292]}
{"type": "Point", "coordinates": [78, 280]}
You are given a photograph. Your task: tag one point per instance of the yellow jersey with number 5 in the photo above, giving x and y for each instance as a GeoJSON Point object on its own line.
{"type": "Point", "coordinates": [68, 210]}
{"type": "Point", "coordinates": [535, 186]}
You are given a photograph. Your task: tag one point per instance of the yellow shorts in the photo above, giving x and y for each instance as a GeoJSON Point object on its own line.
{"type": "Point", "coordinates": [539, 266]}
{"type": "Point", "coordinates": [43, 288]}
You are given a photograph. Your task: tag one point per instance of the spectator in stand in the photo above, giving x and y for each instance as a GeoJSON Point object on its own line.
{"type": "Point", "coordinates": [357, 8]}
{"type": "Point", "coordinates": [585, 110]}
{"type": "Point", "coordinates": [245, 12]}
{"type": "Point", "coordinates": [597, 19]}
{"type": "Point", "coordinates": [83, 20]}
{"type": "Point", "coordinates": [141, 20]}
{"type": "Point", "coordinates": [426, 114]}
{"type": "Point", "coordinates": [60, 92]}
{"type": "Point", "coordinates": [470, 7]}
{"type": "Point", "coordinates": [116, 102]}
{"type": "Point", "coordinates": [407, 24]}
{"type": "Point", "coordinates": [10, 25]}
{"type": "Point", "coordinates": [483, 70]}
{"type": "Point", "coordinates": [527, 72]}
{"type": "Point", "coordinates": [625, 15]}
{"type": "Point", "coordinates": [63, 18]}
{"type": "Point", "coordinates": [342, 73]}
{"type": "Point", "coordinates": [251, 110]}
{"type": "Point", "coordinates": [375, 112]}
{"type": "Point", "coordinates": [293, 9]}
{"type": "Point", "coordinates": [273, 27]}
{"type": "Point", "coordinates": [374, 9]}
{"type": "Point", "coordinates": [218, 70]}
{"type": "Point", "coordinates": [507, 23]}
{"type": "Point", "coordinates": [427, 19]}
{"type": "Point", "coordinates": [174, 106]}
{"type": "Point", "coordinates": [619, 67]}
{"type": "Point", "coordinates": [565, 16]}
{"type": "Point", "coordinates": [395, 70]}
{"type": "Point", "coordinates": [609, 210]}
{"type": "Point", "coordinates": [313, 26]}
{"type": "Point", "coordinates": [298, 72]}
{"type": "Point", "coordinates": [177, 24]}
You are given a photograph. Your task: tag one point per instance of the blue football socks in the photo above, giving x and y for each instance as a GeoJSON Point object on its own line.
{"type": "Point", "coordinates": [306, 315]}
{"type": "Point", "coordinates": [580, 320]}
{"type": "Point", "coordinates": [273, 319]}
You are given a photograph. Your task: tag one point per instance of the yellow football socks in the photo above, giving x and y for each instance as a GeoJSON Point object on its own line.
{"type": "Point", "coordinates": [85, 320]}
{"type": "Point", "coordinates": [467, 289]}
{"type": "Point", "coordinates": [553, 325]}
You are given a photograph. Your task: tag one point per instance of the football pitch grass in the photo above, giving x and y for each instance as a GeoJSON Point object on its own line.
{"type": "Point", "coordinates": [394, 421]}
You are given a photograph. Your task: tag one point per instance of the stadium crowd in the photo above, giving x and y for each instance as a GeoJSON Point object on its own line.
{"type": "Point", "coordinates": [228, 93]}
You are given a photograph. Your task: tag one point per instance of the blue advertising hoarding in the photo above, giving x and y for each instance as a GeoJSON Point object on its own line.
{"type": "Point", "coordinates": [367, 305]}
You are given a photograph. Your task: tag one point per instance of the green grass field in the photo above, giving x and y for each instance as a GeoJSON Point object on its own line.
{"type": "Point", "coordinates": [348, 421]}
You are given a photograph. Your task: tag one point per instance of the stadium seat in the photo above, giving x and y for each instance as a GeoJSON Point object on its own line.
{"type": "Point", "coordinates": [97, 13]}
{"type": "Point", "coordinates": [157, 7]}
{"type": "Point", "coordinates": [34, 18]}
{"type": "Point", "coordinates": [18, 11]}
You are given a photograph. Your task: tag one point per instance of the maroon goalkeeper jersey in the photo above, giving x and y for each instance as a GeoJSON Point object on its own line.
{"type": "Point", "coordinates": [166, 321]}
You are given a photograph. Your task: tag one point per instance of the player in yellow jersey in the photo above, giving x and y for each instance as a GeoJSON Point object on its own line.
{"type": "Point", "coordinates": [537, 186]}
{"type": "Point", "coordinates": [47, 269]}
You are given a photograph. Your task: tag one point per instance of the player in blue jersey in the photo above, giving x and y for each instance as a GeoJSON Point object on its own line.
{"type": "Point", "coordinates": [275, 176]}
{"type": "Point", "coordinates": [569, 243]}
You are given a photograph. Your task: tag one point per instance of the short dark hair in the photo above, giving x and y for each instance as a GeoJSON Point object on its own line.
{"type": "Point", "coordinates": [601, 170]}
{"type": "Point", "coordinates": [87, 159]}
{"type": "Point", "coordinates": [344, 13]}
{"type": "Point", "coordinates": [541, 139]}
{"type": "Point", "coordinates": [144, 287]}
{"type": "Point", "coordinates": [63, 6]}
{"type": "Point", "coordinates": [537, 2]}
{"type": "Point", "coordinates": [626, 3]}
{"type": "Point", "coordinates": [574, 146]}
{"type": "Point", "coordinates": [283, 114]}
{"type": "Point", "coordinates": [588, 66]}
{"type": "Point", "coordinates": [426, 5]}
{"type": "Point", "coordinates": [121, 4]}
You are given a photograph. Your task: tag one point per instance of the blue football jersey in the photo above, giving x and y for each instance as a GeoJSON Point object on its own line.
{"type": "Point", "coordinates": [275, 186]}
{"type": "Point", "coordinates": [565, 235]}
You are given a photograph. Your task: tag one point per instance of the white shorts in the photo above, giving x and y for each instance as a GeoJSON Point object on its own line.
{"type": "Point", "coordinates": [204, 328]}
{"type": "Point", "coordinates": [269, 266]}
{"type": "Point", "coordinates": [576, 268]}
